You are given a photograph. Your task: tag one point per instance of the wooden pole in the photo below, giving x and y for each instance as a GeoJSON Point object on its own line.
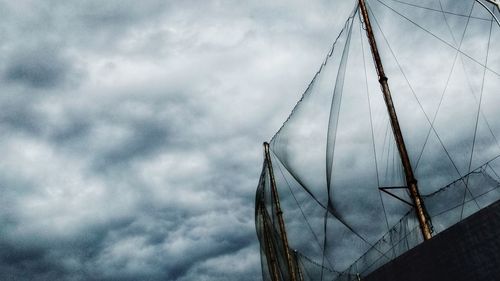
{"type": "Point", "coordinates": [272, 262]}
{"type": "Point", "coordinates": [299, 272]}
{"type": "Point", "coordinates": [411, 182]}
{"type": "Point", "coordinates": [279, 213]}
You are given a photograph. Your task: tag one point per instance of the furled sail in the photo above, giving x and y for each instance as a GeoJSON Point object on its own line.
{"type": "Point", "coordinates": [336, 166]}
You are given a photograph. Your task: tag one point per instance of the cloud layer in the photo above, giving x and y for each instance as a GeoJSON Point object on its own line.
{"type": "Point", "coordinates": [132, 131]}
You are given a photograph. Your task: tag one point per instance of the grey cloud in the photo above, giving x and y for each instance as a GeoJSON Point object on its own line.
{"type": "Point", "coordinates": [41, 67]}
{"type": "Point", "coordinates": [132, 133]}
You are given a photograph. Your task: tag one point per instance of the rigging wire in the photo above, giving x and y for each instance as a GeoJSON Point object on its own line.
{"type": "Point", "coordinates": [415, 96]}
{"type": "Point", "coordinates": [465, 202]}
{"type": "Point", "coordinates": [371, 119]}
{"type": "Point", "coordinates": [316, 263]}
{"type": "Point", "coordinates": [461, 179]}
{"type": "Point", "coordinates": [437, 37]}
{"type": "Point", "coordinates": [493, 170]}
{"type": "Point", "coordinates": [386, 140]}
{"type": "Point", "coordinates": [436, 10]}
{"type": "Point", "coordinates": [489, 11]}
{"type": "Point", "coordinates": [466, 76]}
{"type": "Point", "coordinates": [479, 107]}
{"type": "Point", "coordinates": [446, 85]}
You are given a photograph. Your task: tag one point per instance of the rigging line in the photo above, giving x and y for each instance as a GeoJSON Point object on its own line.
{"type": "Point", "coordinates": [465, 71]}
{"type": "Point", "coordinates": [479, 107]}
{"type": "Point", "coordinates": [413, 92]}
{"type": "Point", "coordinates": [489, 11]}
{"type": "Point", "coordinates": [389, 142]}
{"type": "Point", "coordinates": [460, 179]}
{"type": "Point", "coordinates": [448, 24]}
{"type": "Point", "coordinates": [418, 101]}
{"type": "Point", "coordinates": [371, 119]}
{"type": "Point", "coordinates": [315, 263]}
{"type": "Point", "coordinates": [386, 141]}
{"type": "Point", "coordinates": [399, 223]}
{"type": "Point", "coordinates": [496, 180]}
{"type": "Point", "coordinates": [300, 208]}
{"type": "Point", "coordinates": [482, 113]}
{"type": "Point", "coordinates": [438, 38]}
{"type": "Point", "coordinates": [394, 168]}
{"type": "Point", "coordinates": [495, 173]}
{"type": "Point", "coordinates": [436, 10]}
{"type": "Point", "coordinates": [447, 81]}
{"type": "Point", "coordinates": [309, 86]}
{"type": "Point", "coordinates": [470, 200]}
{"type": "Point", "coordinates": [405, 237]}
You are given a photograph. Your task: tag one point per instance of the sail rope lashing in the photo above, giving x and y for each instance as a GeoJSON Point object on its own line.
{"type": "Point", "coordinates": [438, 38]}
{"type": "Point", "coordinates": [316, 239]}
{"type": "Point", "coordinates": [431, 123]}
{"type": "Point", "coordinates": [323, 64]}
{"type": "Point", "coordinates": [371, 119]}
{"type": "Point", "coordinates": [478, 109]}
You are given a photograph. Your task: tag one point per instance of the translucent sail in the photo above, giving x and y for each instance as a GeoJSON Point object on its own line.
{"type": "Point", "coordinates": [337, 168]}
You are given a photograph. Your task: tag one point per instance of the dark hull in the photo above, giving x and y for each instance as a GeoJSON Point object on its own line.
{"type": "Point", "coordinates": [468, 251]}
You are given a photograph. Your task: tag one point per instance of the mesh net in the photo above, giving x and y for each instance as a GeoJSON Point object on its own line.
{"type": "Point", "coordinates": [336, 150]}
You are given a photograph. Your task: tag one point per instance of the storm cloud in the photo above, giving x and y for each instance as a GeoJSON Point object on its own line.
{"type": "Point", "coordinates": [132, 131]}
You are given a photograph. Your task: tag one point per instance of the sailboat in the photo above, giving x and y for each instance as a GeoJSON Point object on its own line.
{"type": "Point", "coordinates": [388, 167]}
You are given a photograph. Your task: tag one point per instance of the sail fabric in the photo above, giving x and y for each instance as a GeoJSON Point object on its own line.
{"type": "Point", "coordinates": [338, 171]}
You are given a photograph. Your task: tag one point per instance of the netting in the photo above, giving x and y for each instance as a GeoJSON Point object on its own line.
{"type": "Point", "coordinates": [336, 151]}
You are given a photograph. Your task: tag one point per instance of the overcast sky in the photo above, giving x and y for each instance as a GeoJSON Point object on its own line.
{"type": "Point", "coordinates": [132, 131]}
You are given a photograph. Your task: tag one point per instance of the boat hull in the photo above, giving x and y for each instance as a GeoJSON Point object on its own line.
{"type": "Point", "coordinates": [469, 250]}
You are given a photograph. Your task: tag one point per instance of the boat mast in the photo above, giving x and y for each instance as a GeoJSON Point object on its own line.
{"type": "Point", "coordinates": [272, 262]}
{"type": "Point", "coordinates": [411, 182]}
{"type": "Point", "coordinates": [279, 213]}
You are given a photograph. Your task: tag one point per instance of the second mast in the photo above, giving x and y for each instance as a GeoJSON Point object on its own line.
{"type": "Point", "coordinates": [411, 182]}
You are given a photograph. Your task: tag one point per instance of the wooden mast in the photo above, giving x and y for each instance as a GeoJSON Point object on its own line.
{"type": "Point", "coordinates": [272, 262]}
{"type": "Point", "coordinates": [279, 213]}
{"type": "Point", "coordinates": [411, 182]}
